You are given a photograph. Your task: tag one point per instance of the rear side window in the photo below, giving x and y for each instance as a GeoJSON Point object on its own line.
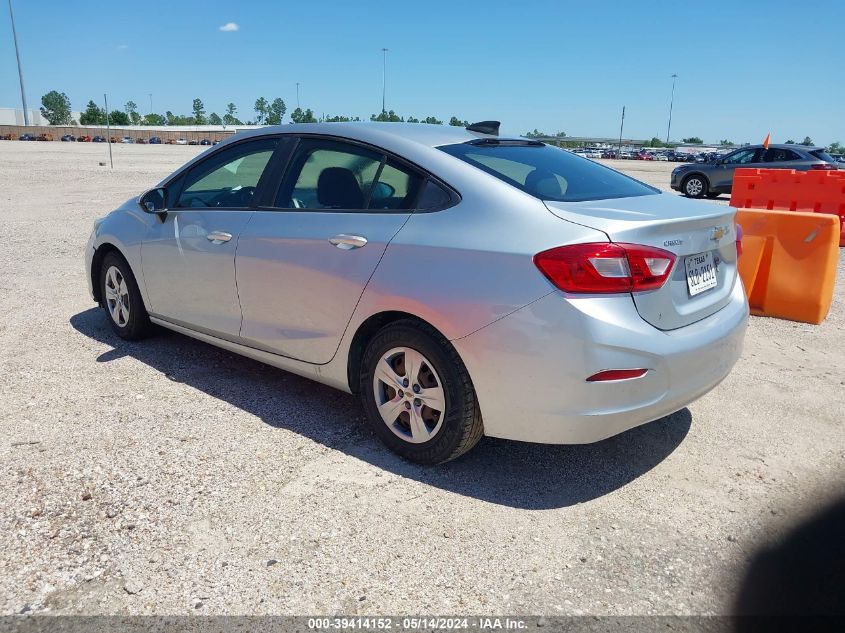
{"type": "Point", "coordinates": [547, 172]}
{"type": "Point", "coordinates": [396, 188]}
{"type": "Point", "coordinates": [822, 155]}
{"type": "Point", "coordinates": [779, 155]}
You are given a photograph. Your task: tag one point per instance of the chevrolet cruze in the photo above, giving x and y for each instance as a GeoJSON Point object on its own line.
{"type": "Point", "coordinates": [462, 283]}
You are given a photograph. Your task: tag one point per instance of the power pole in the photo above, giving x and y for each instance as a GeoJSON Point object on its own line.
{"type": "Point", "coordinates": [297, 94]}
{"type": "Point", "coordinates": [671, 103]}
{"type": "Point", "coordinates": [621, 126]}
{"type": "Point", "coordinates": [151, 102]}
{"type": "Point", "coordinates": [20, 70]}
{"type": "Point", "coordinates": [383, 78]}
{"type": "Point", "coordinates": [108, 129]}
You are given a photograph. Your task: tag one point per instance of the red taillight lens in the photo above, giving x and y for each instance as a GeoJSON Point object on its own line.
{"type": "Point", "coordinates": [605, 268]}
{"type": "Point", "coordinates": [824, 166]}
{"type": "Point", "coordinates": [738, 239]}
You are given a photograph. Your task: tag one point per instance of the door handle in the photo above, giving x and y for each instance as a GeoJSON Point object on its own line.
{"type": "Point", "coordinates": [348, 242]}
{"type": "Point", "coordinates": [218, 237]}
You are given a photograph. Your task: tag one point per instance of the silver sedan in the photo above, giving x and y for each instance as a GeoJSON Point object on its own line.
{"type": "Point", "coordinates": [462, 283]}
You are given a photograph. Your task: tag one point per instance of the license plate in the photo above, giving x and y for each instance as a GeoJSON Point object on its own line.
{"type": "Point", "coordinates": [701, 273]}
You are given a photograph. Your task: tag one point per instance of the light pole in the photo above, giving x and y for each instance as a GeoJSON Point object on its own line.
{"type": "Point", "coordinates": [671, 103]}
{"type": "Point", "coordinates": [20, 70]}
{"type": "Point", "coordinates": [383, 78]}
{"type": "Point", "coordinates": [151, 102]}
{"type": "Point", "coordinates": [297, 94]}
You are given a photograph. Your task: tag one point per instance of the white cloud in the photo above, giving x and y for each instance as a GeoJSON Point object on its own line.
{"type": "Point", "coordinates": [230, 26]}
{"type": "Point", "coordinates": [123, 47]}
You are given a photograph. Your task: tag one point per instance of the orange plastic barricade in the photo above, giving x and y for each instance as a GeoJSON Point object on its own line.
{"type": "Point", "coordinates": [819, 191]}
{"type": "Point", "coordinates": [788, 263]}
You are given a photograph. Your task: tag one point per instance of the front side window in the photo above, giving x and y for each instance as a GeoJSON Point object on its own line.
{"type": "Point", "coordinates": [742, 157]}
{"type": "Point", "coordinates": [227, 179]}
{"type": "Point", "coordinates": [547, 172]}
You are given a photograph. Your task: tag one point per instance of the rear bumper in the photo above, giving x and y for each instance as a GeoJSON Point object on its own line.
{"type": "Point", "coordinates": [529, 369]}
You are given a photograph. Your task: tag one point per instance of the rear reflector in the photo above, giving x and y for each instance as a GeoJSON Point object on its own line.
{"type": "Point", "coordinates": [616, 374]}
{"type": "Point", "coordinates": [738, 239]}
{"type": "Point", "coordinates": [599, 268]}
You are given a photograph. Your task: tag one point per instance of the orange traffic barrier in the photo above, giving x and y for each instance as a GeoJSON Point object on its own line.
{"type": "Point", "coordinates": [788, 263]}
{"type": "Point", "coordinates": [819, 191]}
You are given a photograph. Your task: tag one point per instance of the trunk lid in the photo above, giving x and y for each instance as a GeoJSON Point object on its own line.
{"type": "Point", "coordinates": [680, 226]}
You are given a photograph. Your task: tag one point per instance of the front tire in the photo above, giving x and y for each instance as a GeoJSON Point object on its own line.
{"type": "Point", "coordinates": [121, 299]}
{"type": "Point", "coordinates": [695, 186]}
{"type": "Point", "coordinates": [418, 395]}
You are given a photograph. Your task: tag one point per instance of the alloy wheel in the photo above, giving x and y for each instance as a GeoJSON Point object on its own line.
{"type": "Point", "coordinates": [117, 296]}
{"type": "Point", "coordinates": [409, 395]}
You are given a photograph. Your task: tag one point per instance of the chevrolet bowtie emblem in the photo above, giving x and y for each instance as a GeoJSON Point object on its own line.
{"type": "Point", "coordinates": [718, 232]}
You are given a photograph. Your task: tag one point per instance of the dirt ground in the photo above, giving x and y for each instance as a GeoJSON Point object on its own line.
{"type": "Point", "coordinates": [169, 476]}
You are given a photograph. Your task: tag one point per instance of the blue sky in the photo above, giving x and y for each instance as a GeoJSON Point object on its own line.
{"type": "Point", "coordinates": [745, 67]}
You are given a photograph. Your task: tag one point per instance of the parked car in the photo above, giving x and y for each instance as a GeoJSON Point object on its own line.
{"type": "Point", "coordinates": [155, 140]}
{"type": "Point", "coordinates": [205, 141]}
{"type": "Point", "coordinates": [140, 141]}
{"type": "Point", "coordinates": [661, 156]}
{"type": "Point", "coordinates": [215, 142]}
{"type": "Point", "coordinates": [26, 137]}
{"type": "Point", "coordinates": [714, 176]}
{"type": "Point", "coordinates": [193, 141]}
{"type": "Point", "coordinates": [549, 321]}
{"type": "Point", "coordinates": [68, 138]}
{"type": "Point", "coordinates": [643, 155]}
{"type": "Point", "coordinates": [114, 139]}
{"type": "Point", "coordinates": [5, 137]}
{"type": "Point", "coordinates": [99, 139]}
{"type": "Point", "coordinates": [127, 139]}
{"type": "Point", "coordinates": [83, 139]}
{"type": "Point", "coordinates": [170, 141]}
{"type": "Point", "coordinates": [181, 141]}
{"type": "Point", "coordinates": [44, 137]}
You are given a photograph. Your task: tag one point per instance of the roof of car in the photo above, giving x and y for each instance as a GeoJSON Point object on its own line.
{"type": "Point", "coordinates": [430, 135]}
{"type": "Point", "coordinates": [806, 148]}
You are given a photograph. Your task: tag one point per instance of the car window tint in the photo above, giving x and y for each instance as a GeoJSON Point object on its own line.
{"type": "Point", "coordinates": [822, 155]}
{"type": "Point", "coordinates": [779, 155]}
{"type": "Point", "coordinates": [228, 178]}
{"type": "Point", "coordinates": [397, 188]}
{"type": "Point", "coordinates": [549, 173]}
{"type": "Point", "coordinates": [433, 196]}
{"type": "Point", "coordinates": [329, 175]}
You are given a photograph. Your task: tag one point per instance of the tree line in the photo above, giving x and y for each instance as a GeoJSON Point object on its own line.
{"type": "Point", "coordinates": [56, 108]}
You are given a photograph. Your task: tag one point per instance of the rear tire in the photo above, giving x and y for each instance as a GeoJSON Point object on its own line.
{"type": "Point", "coordinates": [695, 186]}
{"type": "Point", "coordinates": [406, 367]}
{"type": "Point", "coordinates": [121, 299]}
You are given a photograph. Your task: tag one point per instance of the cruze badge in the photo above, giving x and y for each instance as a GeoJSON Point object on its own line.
{"type": "Point", "coordinates": [673, 242]}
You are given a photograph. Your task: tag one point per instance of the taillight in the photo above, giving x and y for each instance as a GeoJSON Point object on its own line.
{"type": "Point", "coordinates": [738, 239]}
{"type": "Point", "coordinates": [824, 166]}
{"type": "Point", "coordinates": [605, 268]}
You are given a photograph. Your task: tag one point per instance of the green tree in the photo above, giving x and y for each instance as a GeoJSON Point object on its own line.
{"type": "Point", "coordinates": [300, 116]}
{"type": "Point", "coordinates": [131, 109]}
{"type": "Point", "coordinates": [93, 115]}
{"type": "Point", "coordinates": [153, 119]}
{"type": "Point", "coordinates": [790, 142]}
{"type": "Point", "coordinates": [693, 139]}
{"type": "Point", "coordinates": [261, 110]}
{"type": "Point", "coordinates": [229, 118]}
{"type": "Point", "coordinates": [725, 142]}
{"type": "Point", "coordinates": [55, 107]}
{"type": "Point", "coordinates": [412, 119]}
{"type": "Point", "coordinates": [118, 117]}
{"type": "Point", "coordinates": [654, 142]}
{"type": "Point", "coordinates": [835, 148]}
{"type": "Point", "coordinates": [199, 112]}
{"type": "Point", "coordinates": [455, 121]}
{"type": "Point", "coordinates": [276, 112]}
{"type": "Point", "coordinates": [432, 120]}
{"type": "Point", "coordinates": [807, 141]}
{"type": "Point", "coordinates": [340, 119]}
{"type": "Point", "coordinates": [535, 134]}
{"type": "Point", "coordinates": [389, 117]}
{"type": "Point", "coordinates": [214, 119]}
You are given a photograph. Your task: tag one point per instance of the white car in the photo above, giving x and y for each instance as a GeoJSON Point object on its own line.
{"type": "Point", "coordinates": [181, 141]}
{"type": "Point", "coordinates": [127, 139]}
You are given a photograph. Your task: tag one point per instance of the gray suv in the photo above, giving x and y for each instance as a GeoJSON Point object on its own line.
{"type": "Point", "coordinates": [716, 177]}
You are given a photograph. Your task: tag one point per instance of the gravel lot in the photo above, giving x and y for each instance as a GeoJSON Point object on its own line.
{"type": "Point", "coordinates": [172, 477]}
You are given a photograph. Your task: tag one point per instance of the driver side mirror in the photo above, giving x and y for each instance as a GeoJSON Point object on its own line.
{"type": "Point", "coordinates": [154, 201]}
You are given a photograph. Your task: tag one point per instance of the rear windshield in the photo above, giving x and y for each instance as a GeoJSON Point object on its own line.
{"type": "Point", "coordinates": [823, 155]}
{"type": "Point", "coordinates": [549, 173]}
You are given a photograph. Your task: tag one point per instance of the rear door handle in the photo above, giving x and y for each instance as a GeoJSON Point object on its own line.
{"type": "Point", "coordinates": [348, 242]}
{"type": "Point", "coordinates": [218, 237]}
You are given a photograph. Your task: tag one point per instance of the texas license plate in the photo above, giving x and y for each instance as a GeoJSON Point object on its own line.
{"type": "Point", "coordinates": [701, 273]}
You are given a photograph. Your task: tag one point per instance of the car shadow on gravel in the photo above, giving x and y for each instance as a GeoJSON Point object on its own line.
{"type": "Point", "coordinates": [516, 474]}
